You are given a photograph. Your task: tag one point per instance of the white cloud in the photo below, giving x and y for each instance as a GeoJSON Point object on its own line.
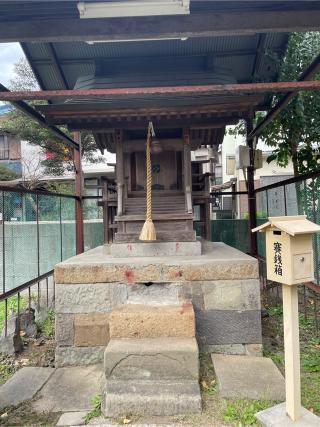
{"type": "Point", "coordinates": [9, 55]}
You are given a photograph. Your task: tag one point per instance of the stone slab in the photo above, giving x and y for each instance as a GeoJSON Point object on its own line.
{"type": "Point", "coordinates": [23, 385]}
{"type": "Point", "coordinates": [70, 389]}
{"type": "Point", "coordinates": [152, 358]}
{"type": "Point", "coordinates": [228, 327]}
{"type": "Point", "coordinates": [146, 249]}
{"type": "Point", "coordinates": [64, 330]}
{"type": "Point", "coordinates": [76, 356]}
{"type": "Point", "coordinates": [248, 377]}
{"type": "Point", "coordinates": [277, 417]}
{"type": "Point", "coordinates": [90, 297]}
{"type": "Point", "coordinates": [72, 419]}
{"type": "Point", "coordinates": [91, 330]}
{"type": "Point", "coordinates": [156, 294]}
{"type": "Point", "coordinates": [232, 295]}
{"type": "Point", "coordinates": [214, 264]}
{"type": "Point", "coordinates": [140, 321]}
{"type": "Point", "coordinates": [158, 398]}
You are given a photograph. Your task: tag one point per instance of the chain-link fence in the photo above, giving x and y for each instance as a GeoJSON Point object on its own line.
{"type": "Point", "coordinates": [295, 196]}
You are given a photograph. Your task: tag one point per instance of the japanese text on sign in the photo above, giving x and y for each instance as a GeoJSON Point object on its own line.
{"type": "Point", "coordinates": [277, 259]}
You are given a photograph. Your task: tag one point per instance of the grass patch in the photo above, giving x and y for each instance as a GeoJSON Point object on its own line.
{"type": "Point", "coordinates": [7, 367]}
{"type": "Point", "coordinates": [46, 327]}
{"type": "Point", "coordinates": [96, 410]}
{"type": "Point", "coordinates": [23, 415]}
{"type": "Point", "coordinates": [242, 411]}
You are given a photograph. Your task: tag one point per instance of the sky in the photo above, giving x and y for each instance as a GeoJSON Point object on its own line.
{"type": "Point", "coordinates": [9, 55]}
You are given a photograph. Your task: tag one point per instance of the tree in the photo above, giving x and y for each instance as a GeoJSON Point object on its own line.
{"type": "Point", "coordinates": [58, 157]}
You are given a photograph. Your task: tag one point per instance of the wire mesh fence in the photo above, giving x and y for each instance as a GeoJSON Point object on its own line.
{"type": "Point", "coordinates": [297, 196]}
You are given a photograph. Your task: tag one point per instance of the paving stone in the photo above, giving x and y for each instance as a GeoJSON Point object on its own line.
{"type": "Point", "coordinates": [78, 356]}
{"type": "Point", "coordinates": [143, 321]}
{"type": "Point", "coordinates": [64, 331]}
{"type": "Point", "coordinates": [232, 295]}
{"type": "Point", "coordinates": [277, 417]}
{"type": "Point", "coordinates": [228, 327]}
{"type": "Point", "coordinates": [70, 389]}
{"type": "Point", "coordinates": [239, 349]}
{"type": "Point", "coordinates": [91, 330]}
{"type": "Point", "coordinates": [23, 385]}
{"type": "Point", "coordinates": [152, 358]}
{"type": "Point", "coordinates": [159, 398]}
{"type": "Point", "coordinates": [248, 377]}
{"type": "Point", "coordinates": [72, 419]}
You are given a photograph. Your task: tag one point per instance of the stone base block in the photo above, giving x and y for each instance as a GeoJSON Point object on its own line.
{"type": "Point", "coordinates": [78, 356]}
{"type": "Point", "coordinates": [277, 417]}
{"type": "Point", "coordinates": [152, 358]}
{"type": "Point", "coordinates": [141, 321]}
{"type": "Point", "coordinates": [149, 249]}
{"type": "Point", "coordinates": [157, 398]}
{"type": "Point", "coordinates": [91, 330]}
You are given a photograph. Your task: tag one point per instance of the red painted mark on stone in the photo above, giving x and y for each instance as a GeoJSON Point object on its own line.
{"type": "Point", "coordinates": [129, 247]}
{"type": "Point", "coordinates": [178, 273]}
{"type": "Point", "coordinates": [185, 306]}
{"type": "Point", "coordinates": [129, 276]}
{"type": "Point", "coordinates": [177, 247]}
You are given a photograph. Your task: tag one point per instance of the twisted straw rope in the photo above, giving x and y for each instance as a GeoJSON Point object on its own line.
{"type": "Point", "coordinates": [149, 177]}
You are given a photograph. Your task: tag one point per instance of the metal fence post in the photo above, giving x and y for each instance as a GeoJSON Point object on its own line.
{"type": "Point", "coordinates": [79, 211]}
{"type": "Point", "coordinates": [251, 193]}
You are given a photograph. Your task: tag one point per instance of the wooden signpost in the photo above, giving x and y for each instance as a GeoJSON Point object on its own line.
{"type": "Point", "coordinates": [289, 257]}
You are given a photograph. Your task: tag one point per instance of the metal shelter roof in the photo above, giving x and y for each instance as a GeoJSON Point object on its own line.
{"type": "Point", "coordinates": [235, 55]}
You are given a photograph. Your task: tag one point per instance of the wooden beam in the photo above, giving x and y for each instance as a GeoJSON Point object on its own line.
{"type": "Point", "coordinates": [221, 23]}
{"type": "Point", "coordinates": [227, 89]}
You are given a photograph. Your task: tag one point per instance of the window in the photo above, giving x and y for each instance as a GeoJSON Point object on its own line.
{"type": "Point", "coordinates": [231, 165]}
{"type": "Point", "coordinates": [4, 147]}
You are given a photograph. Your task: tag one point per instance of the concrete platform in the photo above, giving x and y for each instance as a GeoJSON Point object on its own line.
{"type": "Point", "coordinates": [248, 377]}
{"type": "Point", "coordinates": [151, 249]}
{"type": "Point", "coordinates": [277, 417]}
{"type": "Point", "coordinates": [158, 398]}
{"type": "Point", "coordinates": [70, 389]}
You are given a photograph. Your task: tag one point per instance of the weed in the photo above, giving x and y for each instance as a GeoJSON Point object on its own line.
{"type": "Point", "coordinates": [310, 360]}
{"type": "Point", "coordinates": [275, 310]}
{"type": "Point", "coordinates": [46, 327]}
{"type": "Point", "coordinates": [96, 410]}
{"type": "Point", "coordinates": [12, 308]}
{"type": "Point", "coordinates": [242, 411]}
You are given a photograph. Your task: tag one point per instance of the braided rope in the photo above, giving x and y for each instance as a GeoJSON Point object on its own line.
{"type": "Point", "coordinates": [149, 177]}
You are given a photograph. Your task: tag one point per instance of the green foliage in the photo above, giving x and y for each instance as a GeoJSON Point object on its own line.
{"type": "Point", "coordinates": [275, 310]}
{"type": "Point", "coordinates": [12, 308]}
{"type": "Point", "coordinates": [242, 412]}
{"type": "Point", "coordinates": [295, 133]}
{"type": "Point", "coordinates": [27, 129]}
{"type": "Point", "coordinates": [46, 327]}
{"type": "Point", "coordinates": [7, 174]}
{"type": "Point", "coordinates": [96, 411]}
{"type": "Point", "coordinates": [259, 215]}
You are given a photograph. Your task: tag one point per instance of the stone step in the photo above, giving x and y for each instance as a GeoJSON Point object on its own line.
{"type": "Point", "coordinates": [150, 249]}
{"type": "Point", "coordinates": [145, 321]}
{"type": "Point", "coordinates": [158, 398]}
{"type": "Point", "coordinates": [152, 359]}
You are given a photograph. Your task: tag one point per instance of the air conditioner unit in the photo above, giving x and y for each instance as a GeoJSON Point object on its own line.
{"type": "Point", "coordinates": [122, 9]}
{"type": "Point", "coordinates": [243, 157]}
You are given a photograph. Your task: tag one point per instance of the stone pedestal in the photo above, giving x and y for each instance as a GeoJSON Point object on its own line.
{"type": "Point", "coordinates": [222, 284]}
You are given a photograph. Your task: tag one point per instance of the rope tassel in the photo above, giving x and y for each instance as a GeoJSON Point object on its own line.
{"type": "Point", "coordinates": [148, 232]}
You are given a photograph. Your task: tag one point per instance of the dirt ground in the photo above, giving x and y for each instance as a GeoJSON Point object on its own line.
{"type": "Point", "coordinates": [216, 411]}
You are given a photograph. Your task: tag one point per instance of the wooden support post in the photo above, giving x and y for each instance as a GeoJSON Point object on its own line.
{"type": "Point", "coordinates": [106, 230]}
{"type": "Point", "coordinates": [187, 169]}
{"type": "Point", "coordinates": [78, 188]}
{"type": "Point", "coordinates": [119, 171]}
{"type": "Point", "coordinates": [292, 350]}
{"type": "Point", "coordinates": [251, 194]}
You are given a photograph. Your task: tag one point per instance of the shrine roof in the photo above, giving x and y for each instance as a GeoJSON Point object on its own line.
{"type": "Point", "coordinates": [292, 225]}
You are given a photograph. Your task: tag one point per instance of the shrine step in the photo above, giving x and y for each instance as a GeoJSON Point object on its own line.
{"type": "Point", "coordinates": [162, 236]}
{"type": "Point", "coordinates": [154, 398]}
{"type": "Point", "coordinates": [150, 249]}
{"type": "Point", "coordinates": [152, 358]}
